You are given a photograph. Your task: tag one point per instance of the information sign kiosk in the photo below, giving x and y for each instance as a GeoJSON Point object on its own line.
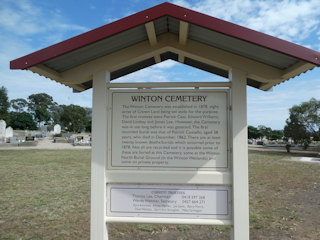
{"type": "Point", "coordinates": [170, 152]}
{"type": "Point", "coordinates": [169, 157]}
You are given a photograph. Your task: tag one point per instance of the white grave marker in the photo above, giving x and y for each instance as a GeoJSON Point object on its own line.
{"type": "Point", "coordinates": [57, 129]}
{"type": "Point", "coordinates": [9, 132]}
{"type": "Point", "coordinates": [2, 128]}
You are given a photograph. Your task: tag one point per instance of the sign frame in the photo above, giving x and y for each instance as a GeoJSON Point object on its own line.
{"type": "Point", "coordinates": [174, 176]}
{"type": "Point", "coordinates": [188, 195]}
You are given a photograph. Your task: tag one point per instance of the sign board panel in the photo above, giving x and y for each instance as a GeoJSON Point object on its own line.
{"type": "Point", "coordinates": [169, 129]}
{"type": "Point", "coordinates": [156, 201]}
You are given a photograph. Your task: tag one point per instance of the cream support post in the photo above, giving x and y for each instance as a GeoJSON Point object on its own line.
{"type": "Point", "coordinates": [98, 228]}
{"type": "Point", "coordinates": [239, 155]}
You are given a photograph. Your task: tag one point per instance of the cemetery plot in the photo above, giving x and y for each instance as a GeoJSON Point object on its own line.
{"type": "Point", "coordinates": [172, 129]}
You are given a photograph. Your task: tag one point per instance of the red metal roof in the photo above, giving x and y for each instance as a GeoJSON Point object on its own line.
{"type": "Point", "coordinates": [168, 9]}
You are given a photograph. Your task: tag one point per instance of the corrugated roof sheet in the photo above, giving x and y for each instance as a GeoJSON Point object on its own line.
{"type": "Point", "coordinates": [240, 47]}
{"type": "Point", "coordinates": [97, 49]}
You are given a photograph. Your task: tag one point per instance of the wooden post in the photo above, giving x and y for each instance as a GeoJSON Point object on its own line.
{"type": "Point", "coordinates": [239, 155]}
{"type": "Point", "coordinates": [98, 227]}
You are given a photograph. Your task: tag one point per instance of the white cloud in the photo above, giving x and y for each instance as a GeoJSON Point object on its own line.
{"type": "Point", "coordinates": [22, 23]}
{"type": "Point", "coordinates": [291, 20]}
{"type": "Point", "coordinates": [294, 91]}
{"type": "Point", "coordinates": [271, 108]}
{"type": "Point", "coordinates": [166, 64]}
{"type": "Point", "coordinates": [151, 74]}
{"type": "Point", "coordinates": [155, 73]}
{"type": "Point", "coordinates": [110, 20]}
{"type": "Point", "coordinates": [22, 18]}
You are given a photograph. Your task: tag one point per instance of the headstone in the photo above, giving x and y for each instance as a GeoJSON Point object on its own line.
{"type": "Point", "coordinates": [29, 138]}
{"type": "Point", "coordinates": [44, 130]}
{"type": "Point", "coordinates": [81, 141]}
{"type": "Point", "coordinates": [57, 129]}
{"type": "Point", "coordinates": [9, 132]}
{"type": "Point", "coordinates": [2, 128]}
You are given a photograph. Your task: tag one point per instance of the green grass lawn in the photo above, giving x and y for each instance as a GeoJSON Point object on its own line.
{"type": "Point", "coordinates": [46, 195]}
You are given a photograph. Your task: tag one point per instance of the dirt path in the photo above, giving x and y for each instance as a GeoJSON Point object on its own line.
{"type": "Point", "coordinates": [293, 151]}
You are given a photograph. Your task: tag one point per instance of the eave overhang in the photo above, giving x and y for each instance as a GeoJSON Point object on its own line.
{"type": "Point", "coordinates": [166, 32]}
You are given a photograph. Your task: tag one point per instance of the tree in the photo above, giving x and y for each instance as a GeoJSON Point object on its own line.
{"type": "Point", "coordinates": [4, 105]}
{"type": "Point", "coordinates": [74, 118]}
{"type": "Point", "coordinates": [276, 134]}
{"type": "Point", "coordinates": [304, 122]}
{"type": "Point", "coordinates": [89, 116]}
{"type": "Point", "coordinates": [265, 131]}
{"type": "Point", "coordinates": [22, 120]}
{"type": "Point", "coordinates": [89, 112]}
{"type": "Point", "coordinates": [89, 126]}
{"type": "Point", "coordinates": [41, 105]}
{"type": "Point", "coordinates": [56, 112]}
{"type": "Point", "coordinates": [19, 104]}
{"type": "Point", "coordinates": [253, 133]}
{"type": "Point", "coordinates": [296, 130]}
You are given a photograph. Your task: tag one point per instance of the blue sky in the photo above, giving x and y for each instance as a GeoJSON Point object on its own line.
{"type": "Point", "coordinates": [30, 25]}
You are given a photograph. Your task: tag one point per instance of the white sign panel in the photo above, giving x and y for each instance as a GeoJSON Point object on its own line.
{"type": "Point", "coordinates": [171, 129]}
{"type": "Point", "coordinates": [199, 202]}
